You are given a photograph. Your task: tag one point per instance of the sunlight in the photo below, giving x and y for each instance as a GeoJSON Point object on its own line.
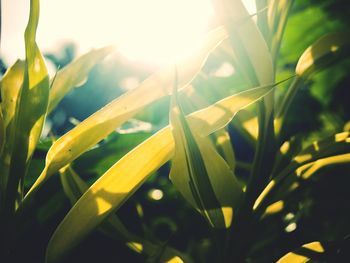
{"type": "Point", "coordinates": [162, 31]}
{"type": "Point", "coordinates": [152, 32]}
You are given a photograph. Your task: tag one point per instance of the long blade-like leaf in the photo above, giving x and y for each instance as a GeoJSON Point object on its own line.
{"type": "Point", "coordinates": [252, 55]}
{"type": "Point", "coordinates": [200, 173]}
{"type": "Point", "coordinates": [304, 254]}
{"type": "Point", "coordinates": [74, 73]}
{"type": "Point", "coordinates": [333, 150]}
{"type": "Point", "coordinates": [113, 188]}
{"type": "Point", "coordinates": [325, 51]}
{"type": "Point", "coordinates": [99, 125]}
{"type": "Point", "coordinates": [221, 137]}
{"type": "Point", "coordinates": [34, 96]}
{"type": "Point", "coordinates": [11, 85]}
{"type": "Point", "coordinates": [74, 187]}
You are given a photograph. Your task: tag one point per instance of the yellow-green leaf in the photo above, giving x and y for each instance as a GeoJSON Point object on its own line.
{"type": "Point", "coordinates": [200, 173]}
{"type": "Point", "coordinates": [11, 85]}
{"type": "Point", "coordinates": [2, 132]}
{"type": "Point", "coordinates": [74, 187]}
{"type": "Point", "coordinates": [74, 73]}
{"type": "Point", "coordinates": [31, 106]}
{"type": "Point", "coordinates": [331, 151]}
{"type": "Point", "coordinates": [252, 55]}
{"type": "Point", "coordinates": [113, 188]}
{"type": "Point", "coordinates": [221, 137]}
{"type": "Point", "coordinates": [277, 14]}
{"type": "Point", "coordinates": [325, 51]}
{"type": "Point", "coordinates": [99, 125]}
{"type": "Point", "coordinates": [301, 255]}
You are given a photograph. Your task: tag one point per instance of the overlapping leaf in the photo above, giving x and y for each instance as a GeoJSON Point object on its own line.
{"type": "Point", "coordinates": [74, 187]}
{"type": "Point", "coordinates": [304, 254]}
{"type": "Point", "coordinates": [34, 96]}
{"type": "Point", "coordinates": [324, 52]}
{"type": "Point", "coordinates": [200, 173]}
{"type": "Point", "coordinates": [221, 137]}
{"type": "Point", "coordinates": [251, 53]}
{"type": "Point", "coordinates": [114, 187]}
{"type": "Point", "coordinates": [103, 122]}
{"type": "Point", "coordinates": [278, 11]}
{"type": "Point", "coordinates": [329, 152]}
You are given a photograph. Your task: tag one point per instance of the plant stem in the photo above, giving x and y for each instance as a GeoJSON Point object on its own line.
{"type": "Point", "coordinates": [286, 102]}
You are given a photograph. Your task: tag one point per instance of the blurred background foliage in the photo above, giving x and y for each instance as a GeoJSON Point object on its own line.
{"type": "Point", "coordinates": [318, 210]}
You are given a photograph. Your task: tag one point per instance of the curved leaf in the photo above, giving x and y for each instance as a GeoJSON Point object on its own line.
{"type": "Point", "coordinates": [325, 51]}
{"type": "Point", "coordinates": [200, 173]}
{"type": "Point", "coordinates": [74, 73]}
{"type": "Point", "coordinates": [74, 187]}
{"type": "Point", "coordinates": [333, 150]}
{"type": "Point", "coordinates": [11, 85]}
{"type": "Point", "coordinates": [113, 188]}
{"type": "Point", "coordinates": [99, 125]}
{"type": "Point", "coordinates": [34, 96]}
{"type": "Point", "coordinates": [251, 53]}
{"type": "Point", "coordinates": [304, 254]}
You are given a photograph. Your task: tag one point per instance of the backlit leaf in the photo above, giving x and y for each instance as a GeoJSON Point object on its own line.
{"type": "Point", "coordinates": [74, 187]}
{"type": "Point", "coordinates": [71, 75]}
{"type": "Point", "coordinates": [325, 51]}
{"type": "Point", "coordinates": [103, 122]}
{"type": "Point", "coordinates": [302, 254]}
{"type": "Point", "coordinates": [34, 96]}
{"type": "Point", "coordinates": [200, 173]}
{"type": "Point", "coordinates": [113, 188]}
{"type": "Point", "coordinates": [11, 85]}
{"type": "Point", "coordinates": [2, 132]}
{"type": "Point", "coordinates": [331, 151]}
{"type": "Point", "coordinates": [278, 11]}
{"type": "Point", "coordinates": [251, 53]}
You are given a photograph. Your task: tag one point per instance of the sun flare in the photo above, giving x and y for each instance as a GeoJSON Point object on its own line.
{"type": "Point", "coordinates": [162, 31]}
{"type": "Point", "coordinates": [152, 32]}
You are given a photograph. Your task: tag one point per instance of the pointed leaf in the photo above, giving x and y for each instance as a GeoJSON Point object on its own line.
{"type": "Point", "coordinates": [74, 187]}
{"type": "Point", "coordinates": [325, 51]}
{"type": "Point", "coordinates": [113, 188]}
{"type": "Point", "coordinates": [304, 254]}
{"type": "Point", "coordinates": [251, 52]}
{"type": "Point", "coordinates": [74, 73]}
{"type": "Point", "coordinates": [221, 137]}
{"type": "Point", "coordinates": [277, 15]}
{"type": "Point", "coordinates": [333, 150]}
{"type": "Point", "coordinates": [31, 106]}
{"type": "Point", "coordinates": [200, 173]}
{"type": "Point", "coordinates": [11, 85]}
{"type": "Point", "coordinates": [99, 125]}
{"type": "Point", "coordinates": [2, 132]}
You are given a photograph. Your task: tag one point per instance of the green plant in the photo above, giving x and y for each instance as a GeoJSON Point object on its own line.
{"type": "Point", "coordinates": [203, 167]}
